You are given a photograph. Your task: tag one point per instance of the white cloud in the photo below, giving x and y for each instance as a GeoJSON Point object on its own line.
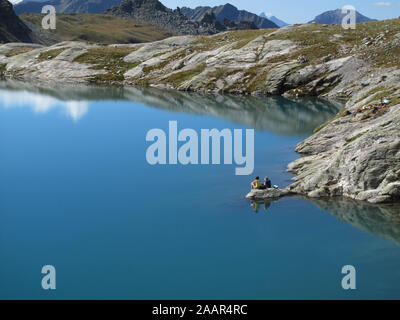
{"type": "Point", "coordinates": [42, 104]}
{"type": "Point", "coordinates": [76, 109]}
{"type": "Point", "coordinates": [383, 4]}
{"type": "Point", "coordinates": [14, 2]}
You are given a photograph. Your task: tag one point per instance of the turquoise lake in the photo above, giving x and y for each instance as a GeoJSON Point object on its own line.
{"type": "Point", "coordinates": [76, 192]}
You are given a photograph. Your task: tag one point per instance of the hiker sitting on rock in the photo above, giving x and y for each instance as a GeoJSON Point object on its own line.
{"type": "Point", "coordinates": [256, 184]}
{"type": "Point", "coordinates": [267, 183]}
{"type": "Point", "coordinates": [302, 59]}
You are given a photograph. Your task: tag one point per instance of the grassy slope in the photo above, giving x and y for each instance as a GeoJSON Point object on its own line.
{"type": "Point", "coordinates": [319, 41]}
{"type": "Point", "coordinates": [100, 28]}
{"type": "Point", "coordinates": [315, 42]}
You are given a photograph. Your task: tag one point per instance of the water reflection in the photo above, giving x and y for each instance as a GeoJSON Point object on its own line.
{"type": "Point", "coordinates": [381, 220]}
{"type": "Point", "coordinates": [275, 114]}
{"type": "Point", "coordinates": [256, 205]}
{"type": "Point", "coordinates": [42, 103]}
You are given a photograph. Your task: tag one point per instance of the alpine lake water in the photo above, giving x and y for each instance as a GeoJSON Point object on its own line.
{"type": "Point", "coordinates": [77, 193]}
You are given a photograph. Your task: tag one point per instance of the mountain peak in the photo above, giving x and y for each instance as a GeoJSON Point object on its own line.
{"type": "Point", "coordinates": [336, 16]}
{"type": "Point", "coordinates": [230, 12]}
{"type": "Point", "coordinates": [266, 14]}
{"type": "Point", "coordinates": [228, 5]}
{"type": "Point", "coordinates": [271, 17]}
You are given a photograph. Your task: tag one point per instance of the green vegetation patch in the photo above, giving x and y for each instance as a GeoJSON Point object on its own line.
{"type": "Point", "coordinates": [395, 100]}
{"type": "Point", "coordinates": [178, 78]}
{"type": "Point", "coordinates": [256, 78]}
{"type": "Point", "coordinates": [50, 54]}
{"type": "Point", "coordinates": [242, 37]}
{"type": "Point", "coordinates": [383, 53]}
{"type": "Point", "coordinates": [156, 67]}
{"type": "Point", "coordinates": [313, 45]}
{"type": "Point", "coordinates": [342, 113]}
{"type": "Point", "coordinates": [370, 93]}
{"type": "Point", "coordinates": [348, 141]}
{"type": "Point", "coordinates": [17, 51]}
{"type": "Point", "coordinates": [222, 74]}
{"type": "Point", "coordinates": [110, 59]}
{"type": "Point", "coordinates": [373, 41]}
{"type": "Point", "coordinates": [3, 67]}
{"type": "Point", "coordinates": [160, 66]}
{"type": "Point", "coordinates": [218, 73]}
{"type": "Point", "coordinates": [379, 93]}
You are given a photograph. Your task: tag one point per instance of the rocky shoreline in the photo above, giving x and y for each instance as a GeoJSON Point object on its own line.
{"type": "Point", "coordinates": [356, 154]}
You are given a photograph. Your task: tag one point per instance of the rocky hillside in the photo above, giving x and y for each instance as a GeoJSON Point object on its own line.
{"type": "Point", "coordinates": [356, 154]}
{"type": "Point", "coordinates": [228, 12]}
{"type": "Point", "coordinates": [154, 12]}
{"type": "Point", "coordinates": [12, 29]}
{"type": "Point", "coordinates": [151, 12]}
{"type": "Point", "coordinates": [336, 17]}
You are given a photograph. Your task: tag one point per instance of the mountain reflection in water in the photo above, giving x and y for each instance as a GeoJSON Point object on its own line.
{"type": "Point", "coordinates": [382, 220]}
{"type": "Point", "coordinates": [275, 114]}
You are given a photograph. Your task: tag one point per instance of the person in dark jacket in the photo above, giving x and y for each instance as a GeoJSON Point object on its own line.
{"type": "Point", "coordinates": [267, 183]}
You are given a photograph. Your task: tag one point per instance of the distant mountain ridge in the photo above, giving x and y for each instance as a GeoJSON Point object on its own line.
{"type": "Point", "coordinates": [67, 6]}
{"type": "Point", "coordinates": [336, 17]}
{"type": "Point", "coordinates": [229, 12]}
{"type": "Point", "coordinates": [154, 12]}
{"type": "Point", "coordinates": [278, 22]}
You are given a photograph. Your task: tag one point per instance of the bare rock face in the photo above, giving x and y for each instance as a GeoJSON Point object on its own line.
{"type": "Point", "coordinates": [356, 155]}
{"type": "Point", "coordinates": [268, 194]}
{"type": "Point", "coordinates": [12, 29]}
{"type": "Point", "coordinates": [60, 67]}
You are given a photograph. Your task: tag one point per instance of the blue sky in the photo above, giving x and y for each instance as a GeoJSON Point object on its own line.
{"type": "Point", "coordinates": [299, 11]}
